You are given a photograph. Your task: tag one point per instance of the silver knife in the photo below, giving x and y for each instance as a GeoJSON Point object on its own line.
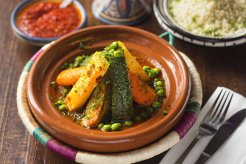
{"type": "Point", "coordinates": [224, 132]}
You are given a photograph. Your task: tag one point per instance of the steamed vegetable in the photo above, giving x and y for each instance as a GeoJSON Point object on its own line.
{"type": "Point", "coordinates": [104, 86]}
{"type": "Point", "coordinates": [69, 76]}
{"type": "Point", "coordinates": [141, 92]}
{"type": "Point", "coordinates": [121, 92]}
{"type": "Point", "coordinates": [99, 104]}
{"type": "Point", "coordinates": [133, 64]}
{"type": "Point", "coordinates": [81, 91]}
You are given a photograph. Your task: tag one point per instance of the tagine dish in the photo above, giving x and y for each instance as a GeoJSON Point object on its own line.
{"type": "Point", "coordinates": [118, 87]}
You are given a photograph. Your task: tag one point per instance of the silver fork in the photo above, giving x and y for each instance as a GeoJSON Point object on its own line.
{"type": "Point", "coordinates": [213, 119]}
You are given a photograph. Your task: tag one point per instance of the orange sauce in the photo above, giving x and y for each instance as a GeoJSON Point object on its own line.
{"type": "Point", "coordinates": [45, 19]}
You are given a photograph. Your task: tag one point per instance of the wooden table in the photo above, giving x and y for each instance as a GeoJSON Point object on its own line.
{"type": "Point", "coordinates": [217, 67]}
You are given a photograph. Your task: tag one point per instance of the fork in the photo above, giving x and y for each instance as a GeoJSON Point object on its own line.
{"type": "Point", "coordinates": [213, 119]}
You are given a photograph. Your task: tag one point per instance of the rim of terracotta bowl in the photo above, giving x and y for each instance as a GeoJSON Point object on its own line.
{"type": "Point", "coordinates": [37, 40]}
{"type": "Point", "coordinates": [96, 136]}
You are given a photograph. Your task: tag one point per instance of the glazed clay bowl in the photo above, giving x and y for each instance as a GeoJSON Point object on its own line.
{"type": "Point", "coordinates": [143, 45]}
{"type": "Point", "coordinates": [168, 23]}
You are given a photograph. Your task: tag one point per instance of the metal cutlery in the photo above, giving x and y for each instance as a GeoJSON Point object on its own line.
{"type": "Point", "coordinates": [212, 120]}
{"type": "Point", "coordinates": [224, 132]}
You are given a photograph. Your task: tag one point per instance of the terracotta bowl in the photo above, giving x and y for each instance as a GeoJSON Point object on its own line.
{"type": "Point", "coordinates": [144, 45]}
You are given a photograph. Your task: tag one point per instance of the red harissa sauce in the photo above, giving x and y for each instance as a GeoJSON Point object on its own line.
{"type": "Point", "coordinates": [46, 19]}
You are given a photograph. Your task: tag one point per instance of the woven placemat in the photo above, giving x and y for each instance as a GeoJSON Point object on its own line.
{"type": "Point", "coordinates": [137, 155]}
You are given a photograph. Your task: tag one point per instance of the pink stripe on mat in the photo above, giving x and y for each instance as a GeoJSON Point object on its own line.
{"type": "Point", "coordinates": [61, 149]}
{"type": "Point", "coordinates": [187, 122]}
{"type": "Point", "coordinates": [36, 55]}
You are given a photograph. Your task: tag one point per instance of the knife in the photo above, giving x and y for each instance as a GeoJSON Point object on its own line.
{"type": "Point", "coordinates": [224, 132]}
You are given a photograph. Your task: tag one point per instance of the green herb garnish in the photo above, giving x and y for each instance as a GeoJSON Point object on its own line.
{"type": "Point", "coordinates": [164, 113]}
{"type": "Point", "coordinates": [52, 84]}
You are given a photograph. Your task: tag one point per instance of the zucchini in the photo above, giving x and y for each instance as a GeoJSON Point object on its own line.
{"type": "Point", "coordinates": [121, 92]}
{"type": "Point", "coordinates": [98, 106]}
{"type": "Point", "coordinates": [81, 91]}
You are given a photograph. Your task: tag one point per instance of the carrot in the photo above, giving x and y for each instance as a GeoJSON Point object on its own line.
{"type": "Point", "coordinates": [70, 76]}
{"type": "Point", "coordinates": [141, 92]}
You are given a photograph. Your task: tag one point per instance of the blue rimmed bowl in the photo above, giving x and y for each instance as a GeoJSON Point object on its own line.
{"type": "Point", "coordinates": [167, 23]}
{"type": "Point", "coordinates": [38, 40]}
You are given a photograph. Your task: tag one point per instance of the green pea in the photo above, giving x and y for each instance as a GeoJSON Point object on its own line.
{"type": "Point", "coordinates": [111, 52]}
{"type": "Point", "coordinates": [52, 84]}
{"type": "Point", "coordinates": [146, 68]}
{"type": "Point", "coordinates": [160, 92]}
{"type": "Point", "coordinates": [144, 115]}
{"type": "Point", "coordinates": [151, 74]}
{"type": "Point", "coordinates": [82, 63]}
{"type": "Point", "coordinates": [79, 59]}
{"type": "Point", "coordinates": [128, 123]}
{"type": "Point", "coordinates": [157, 71]}
{"type": "Point", "coordinates": [100, 125]}
{"type": "Point", "coordinates": [59, 102]}
{"type": "Point", "coordinates": [75, 64]}
{"type": "Point", "coordinates": [114, 45]}
{"type": "Point", "coordinates": [150, 110]}
{"type": "Point", "coordinates": [65, 66]}
{"type": "Point", "coordinates": [159, 83]}
{"type": "Point", "coordinates": [157, 79]}
{"type": "Point", "coordinates": [138, 118]}
{"type": "Point", "coordinates": [116, 126]}
{"type": "Point", "coordinates": [156, 104]}
{"type": "Point", "coordinates": [158, 88]}
{"type": "Point", "coordinates": [105, 52]}
{"type": "Point", "coordinates": [62, 107]}
{"type": "Point", "coordinates": [118, 53]}
{"type": "Point", "coordinates": [106, 128]}
{"type": "Point", "coordinates": [71, 65]}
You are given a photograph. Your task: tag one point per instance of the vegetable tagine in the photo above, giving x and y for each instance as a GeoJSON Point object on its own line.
{"type": "Point", "coordinates": [108, 90]}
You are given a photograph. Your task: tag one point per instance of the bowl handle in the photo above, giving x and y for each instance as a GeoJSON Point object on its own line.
{"type": "Point", "coordinates": [170, 37]}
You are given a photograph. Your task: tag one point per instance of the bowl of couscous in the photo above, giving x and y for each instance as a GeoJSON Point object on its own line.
{"type": "Point", "coordinates": [204, 22]}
